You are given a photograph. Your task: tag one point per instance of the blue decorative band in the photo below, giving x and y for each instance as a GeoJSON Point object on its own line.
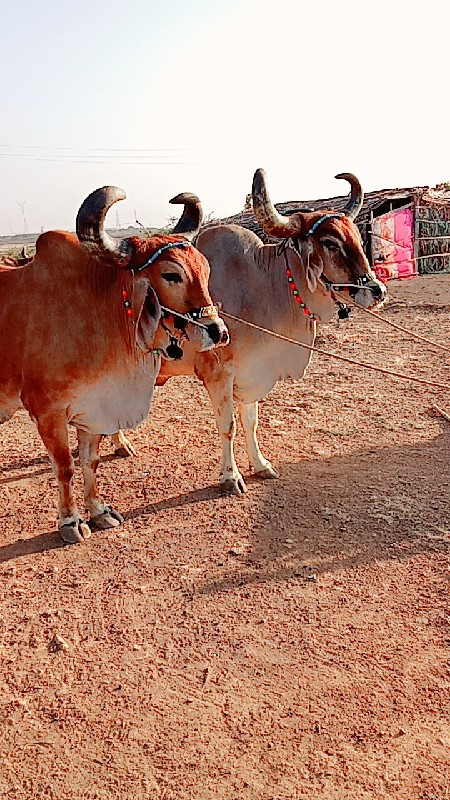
{"type": "Point", "coordinates": [322, 219]}
{"type": "Point", "coordinates": [160, 251]}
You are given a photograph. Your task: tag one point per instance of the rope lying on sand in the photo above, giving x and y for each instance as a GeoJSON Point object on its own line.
{"type": "Point", "coordinates": [441, 412]}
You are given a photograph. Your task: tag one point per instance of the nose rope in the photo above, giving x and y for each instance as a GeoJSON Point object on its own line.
{"type": "Point", "coordinates": [362, 282]}
{"type": "Point", "coordinates": [187, 317]}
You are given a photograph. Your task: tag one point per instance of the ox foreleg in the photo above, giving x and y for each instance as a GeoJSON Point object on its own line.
{"type": "Point", "coordinates": [102, 515]}
{"type": "Point", "coordinates": [221, 394]}
{"type": "Point", "coordinates": [54, 434]}
{"type": "Point", "coordinates": [249, 418]}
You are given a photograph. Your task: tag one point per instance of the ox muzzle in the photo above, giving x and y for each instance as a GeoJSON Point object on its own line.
{"type": "Point", "coordinates": [365, 292]}
{"type": "Point", "coordinates": [211, 333]}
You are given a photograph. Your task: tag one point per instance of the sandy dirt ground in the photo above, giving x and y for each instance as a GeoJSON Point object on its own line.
{"type": "Point", "coordinates": [293, 643]}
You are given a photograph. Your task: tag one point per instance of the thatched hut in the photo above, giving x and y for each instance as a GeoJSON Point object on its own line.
{"type": "Point", "coordinates": [405, 231]}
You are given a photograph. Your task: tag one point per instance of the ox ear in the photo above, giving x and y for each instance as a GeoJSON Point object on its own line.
{"type": "Point", "coordinates": [313, 264]}
{"type": "Point", "coordinates": [147, 313]}
{"type": "Point", "coordinates": [313, 273]}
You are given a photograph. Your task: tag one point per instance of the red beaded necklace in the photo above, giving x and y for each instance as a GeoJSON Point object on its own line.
{"type": "Point", "coordinates": [297, 297]}
{"type": "Point", "coordinates": [125, 297]}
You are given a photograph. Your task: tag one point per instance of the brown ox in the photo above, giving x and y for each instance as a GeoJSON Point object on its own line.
{"type": "Point", "coordinates": [81, 340]}
{"type": "Point", "coordinates": [285, 288]}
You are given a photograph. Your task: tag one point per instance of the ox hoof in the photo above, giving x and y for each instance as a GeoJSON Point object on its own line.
{"type": "Point", "coordinates": [267, 472]}
{"type": "Point", "coordinates": [235, 485]}
{"type": "Point", "coordinates": [74, 530]}
{"type": "Point", "coordinates": [124, 452]}
{"type": "Point", "coordinates": [122, 446]}
{"type": "Point", "coordinates": [108, 518]}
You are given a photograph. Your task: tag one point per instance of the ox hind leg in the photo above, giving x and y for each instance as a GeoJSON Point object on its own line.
{"type": "Point", "coordinates": [102, 515]}
{"type": "Point", "coordinates": [55, 436]}
{"type": "Point", "coordinates": [8, 407]}
{"type": "Point", "coordinates": [122, 445]}
{"type": "Point", "coordinates": [5, 416]}
{"type": "Point", "coordinates": [221, 394]}
{"type": "Point", "coordinates": [249, 418]}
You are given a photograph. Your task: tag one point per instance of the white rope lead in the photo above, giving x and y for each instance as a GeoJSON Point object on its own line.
{"type": "Point", "coordinates": [319, 350]}
{"type": "Point", "coordinates": [349, 301]}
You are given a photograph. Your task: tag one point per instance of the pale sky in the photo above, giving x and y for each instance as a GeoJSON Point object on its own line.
{"type": "Point", "coordinates": [190, 95]}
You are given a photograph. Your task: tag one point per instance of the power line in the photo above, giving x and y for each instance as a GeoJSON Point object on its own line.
{"type": "Point", "coordinates": [95, 155]}
{"type": "Point", "coordinates": [81, 160]}
{"type": "Point", "coordinates": [104, 149]}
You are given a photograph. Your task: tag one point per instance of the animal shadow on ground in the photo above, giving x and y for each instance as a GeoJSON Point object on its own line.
{"type": "Point", "coordinates": [16, 478]}
{"type": "Point", "coordinates": [213, 492]}
{"type": "Point", "coordinates": [19, 466]}
{"type": "Point", "coordinates": [33, 462]}
{"type": "Point", "coordinates": [334, 514]}
{"type": "Point", "coordinates": [51, 540]}
{"type": "Point", "coordinates": [325, 514]}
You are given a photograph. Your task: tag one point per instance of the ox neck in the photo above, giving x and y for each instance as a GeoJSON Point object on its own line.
{"type": "Point", "coordinates": [105, 307]}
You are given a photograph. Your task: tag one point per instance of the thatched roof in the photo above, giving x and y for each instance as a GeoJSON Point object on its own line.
{"type": "Point", "coordinates": [373, 202]}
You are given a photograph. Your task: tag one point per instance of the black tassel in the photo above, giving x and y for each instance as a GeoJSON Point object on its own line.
{"type": "Point", "coordinates": [343, 311]}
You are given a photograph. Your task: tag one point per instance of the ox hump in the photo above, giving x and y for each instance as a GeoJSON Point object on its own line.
{"type": "Point", "coordinates": [228, 236]}
{"type": "Point", "coordinates": [58, 244]}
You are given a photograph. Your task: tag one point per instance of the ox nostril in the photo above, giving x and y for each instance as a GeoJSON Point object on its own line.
{"type": "Point", "coordinates": [214, 332]}
{"type": "Point", "coordinates": [377, 290]}
{"type": "Point", "coordinates": [225, 337]}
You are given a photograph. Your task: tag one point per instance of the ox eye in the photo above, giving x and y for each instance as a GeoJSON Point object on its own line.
{"type": "Point", "coordinates": [330, 244]}
{"type": "Point", "coordinates": [172, 277]}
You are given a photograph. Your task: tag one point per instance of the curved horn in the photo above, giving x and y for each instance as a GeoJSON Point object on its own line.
{"type": "Point", "coordinates": [192, 216]}
{"type": "Point", "coordinates": [91, 219]}
{"type": "Point", "coordinates": [355, 202]}
{"type": "Point", "coordinates": [272, 222]}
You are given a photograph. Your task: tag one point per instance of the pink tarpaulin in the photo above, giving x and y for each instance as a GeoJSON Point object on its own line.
{"type": "Point", "coordinates": [393, 245]}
